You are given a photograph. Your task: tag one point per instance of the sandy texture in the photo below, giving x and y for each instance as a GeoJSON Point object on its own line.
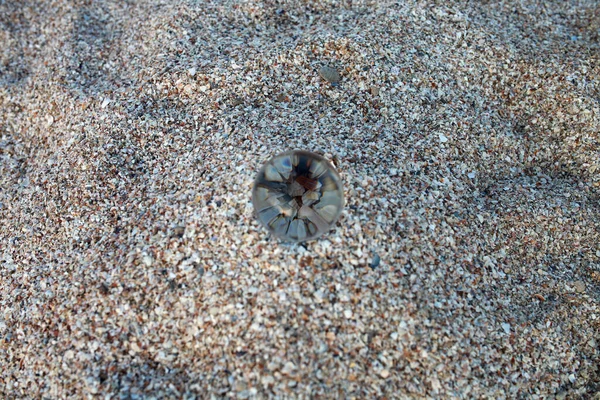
{"type": "Point", "coordinates": [465, 265]}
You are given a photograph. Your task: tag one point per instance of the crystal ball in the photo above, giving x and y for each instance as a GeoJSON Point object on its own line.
{"type": "Point", "coordinates": [298, 195]}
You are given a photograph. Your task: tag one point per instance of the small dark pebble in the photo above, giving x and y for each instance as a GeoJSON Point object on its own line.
{"type": "Point", "coordinates": [282, 98]}
{"type": "Point", "coordinates": [178, 231]}
{"type": "Point", "coordinates": [104, 289]}
{"type": "Point", "coordinates": [375, 262]}
{"type": "Point", "coordinates": [329, 74]}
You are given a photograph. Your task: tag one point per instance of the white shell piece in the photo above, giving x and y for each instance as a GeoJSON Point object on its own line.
{"type": "Point", "coordinates": [272, 174]}
{"type": "Point", "coordinates": [295, 159]}
{"type": "Point", "coordinates": [328, 198]}
{"type": "Point", "coordinates": [315, 218]}
{"type": "Point", "coordinates": [301, 229]}
{"type": "Point", "coordinates": [310, 197]}
{"type": "Point", "coordinates": [272, 200]}
{"type": "Point", "coordinates": [290, 209]}
{"type": "Point", "coordinates": [293, 229]}
{"type": "Point", "coordinates": [295, 189]}
{"type": "Point", "coordinates": [269, 214]}
{"type": "Point", "coordinates": [262, 193]}
{"type": "Point", "coordinates": [329, 185]}
{"type": "Point", "coordinates": [304, 211]}
{"type": "Point", "coordinates": [328, 212]}
{"type": "Point", "coordinates": [284, 166]}
{"type": "Point", "coordinates": [317, 169]}
{"type": "Point", "coordinates": [280, 225]}
{"type": "Point", "coordinates": [312, 228]}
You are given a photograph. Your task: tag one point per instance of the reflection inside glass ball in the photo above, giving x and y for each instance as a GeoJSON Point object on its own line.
{"type": "Point", "coordinates": [298, 195]}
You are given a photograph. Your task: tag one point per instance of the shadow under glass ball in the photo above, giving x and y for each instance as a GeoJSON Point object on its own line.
{"type": "Point", "coordinates": [298, 195]}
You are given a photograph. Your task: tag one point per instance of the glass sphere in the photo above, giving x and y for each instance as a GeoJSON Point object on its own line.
{"type": "Point", "coordinates": [298, 195]}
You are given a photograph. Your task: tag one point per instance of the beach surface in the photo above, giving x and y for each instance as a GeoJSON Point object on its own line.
{"type": "Point", "coordinates": [466, 263]}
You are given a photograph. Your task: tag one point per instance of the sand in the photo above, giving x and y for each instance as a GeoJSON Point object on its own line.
{"type": "Point", "coordinates": [466, 263]}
